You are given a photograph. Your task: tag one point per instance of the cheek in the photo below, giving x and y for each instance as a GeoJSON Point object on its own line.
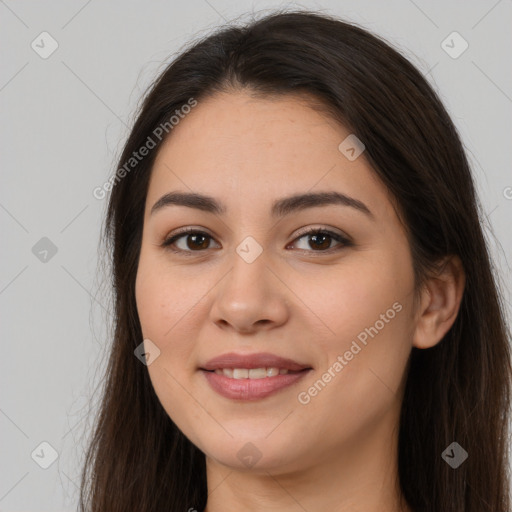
{"type": "Point", "coordinates": [164, 308]}
{"type": "Point", "coordinates": [162, 301]}
{"type": "Point", "coordinates": [359, 384]}
{"type": "Point", "coordinates": [352, 297]}
{"type": "Point", "coordinates": [168, 318]}
{"type": "Point", "coordinates": [366, 339]}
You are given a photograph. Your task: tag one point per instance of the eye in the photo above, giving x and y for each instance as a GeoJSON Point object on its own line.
{"type": "Point", "coordinates": [198, 241]}
{"type": "Point", "coordinates": [195, 241]}
{"type": "Point", "coordinates": [321, 239]}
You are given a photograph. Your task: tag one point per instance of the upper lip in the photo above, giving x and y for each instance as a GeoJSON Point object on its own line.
{"type": "Point", "coordinates": [261, 360]}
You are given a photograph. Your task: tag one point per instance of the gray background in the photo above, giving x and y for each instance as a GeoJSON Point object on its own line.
{"type": "Point", "coordinates": [65, 119]}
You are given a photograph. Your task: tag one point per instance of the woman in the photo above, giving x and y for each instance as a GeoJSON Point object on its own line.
{"type": "Point", "coordinates": [306, 316]}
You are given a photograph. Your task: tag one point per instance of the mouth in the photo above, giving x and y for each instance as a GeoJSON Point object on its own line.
{"type": "Point", "coordinates": [254, 373]}
{"type": "Point", "coordinates": [252, 376]}
{"type": "Point", "coordinates": [259, 361]}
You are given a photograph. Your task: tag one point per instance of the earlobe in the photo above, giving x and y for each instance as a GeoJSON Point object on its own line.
{"type": "Point", "coordinates": [440, 302]}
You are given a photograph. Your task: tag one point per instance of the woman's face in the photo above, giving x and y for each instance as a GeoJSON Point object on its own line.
{"type": "Point", "coordinates": [252, 282]}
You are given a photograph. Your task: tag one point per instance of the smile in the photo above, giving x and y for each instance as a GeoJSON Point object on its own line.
{"type": "Point", "coordinates": [252, 373]}
{"type": "Point", "coordinates": [251, 384]}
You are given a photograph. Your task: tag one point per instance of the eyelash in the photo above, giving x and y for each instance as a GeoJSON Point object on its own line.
{"type": "Point", "coordinates": [345, 242]}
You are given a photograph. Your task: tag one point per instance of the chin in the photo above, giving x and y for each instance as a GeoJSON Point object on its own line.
{"type": "Point", "coordinates": [252, 453]}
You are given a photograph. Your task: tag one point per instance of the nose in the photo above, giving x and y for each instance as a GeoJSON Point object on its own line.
{"type": "Point", "coordinates": [251, 297]}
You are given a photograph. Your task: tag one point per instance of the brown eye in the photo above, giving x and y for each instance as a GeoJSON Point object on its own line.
{"type": "Point", "coordinates": [194, 241]}
{"type": "Point", "coordinates": [320, 240]}
{"type": "Point", "coordinates": [197, 241]}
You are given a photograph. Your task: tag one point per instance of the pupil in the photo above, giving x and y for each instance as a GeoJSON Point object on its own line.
{"type": "Point", "coordinates": [315, 237]}
{"type": "Point", "coordinates": [194, 244]}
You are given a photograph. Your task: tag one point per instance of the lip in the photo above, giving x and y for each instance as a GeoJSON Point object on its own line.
{"type": "Point", "coordinates": [252, 389]}
{"type": "Point", "coordinates": [260, 360]}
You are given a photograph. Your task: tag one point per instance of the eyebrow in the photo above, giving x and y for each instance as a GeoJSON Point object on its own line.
{"type": "Point", "coordinates": [280, 207]}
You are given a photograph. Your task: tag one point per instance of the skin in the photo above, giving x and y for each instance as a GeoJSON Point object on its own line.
{"type": "Point", "coordinates": [337, 452]}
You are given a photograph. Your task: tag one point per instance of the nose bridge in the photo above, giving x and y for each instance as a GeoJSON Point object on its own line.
{"type": "Point", "coordinates": [248, 280]}
{"type": "Point", "coordinates": [250, 294]}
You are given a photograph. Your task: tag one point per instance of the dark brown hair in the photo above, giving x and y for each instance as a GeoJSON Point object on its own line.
{"type": "Point", "coordinates": [456, 391]}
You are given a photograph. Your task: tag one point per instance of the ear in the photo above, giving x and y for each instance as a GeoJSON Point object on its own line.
{"type": "Point", "coordinates": [439, 303]}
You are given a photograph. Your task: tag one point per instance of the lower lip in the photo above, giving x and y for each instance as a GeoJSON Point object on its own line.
{"type": "Point", "coordinates": [251, 389]}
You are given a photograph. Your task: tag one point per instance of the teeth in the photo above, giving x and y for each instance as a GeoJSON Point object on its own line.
{"type": "Point", "coordinates": [240, 373]}
{"type": "Point", "coordinates": [257, 373]}
{"type": "Point", "coordinates": [253, 373]}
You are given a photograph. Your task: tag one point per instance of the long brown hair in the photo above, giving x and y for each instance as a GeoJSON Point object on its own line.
{"type": "Point", "coordinates": [457, 391]}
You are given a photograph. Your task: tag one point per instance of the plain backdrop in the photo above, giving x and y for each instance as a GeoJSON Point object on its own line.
{"type": "Point", "coordinates": [65, 117]}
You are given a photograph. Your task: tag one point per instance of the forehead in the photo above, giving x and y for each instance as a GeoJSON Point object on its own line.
{"type": "Point", "coordinates": [240, 148]}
